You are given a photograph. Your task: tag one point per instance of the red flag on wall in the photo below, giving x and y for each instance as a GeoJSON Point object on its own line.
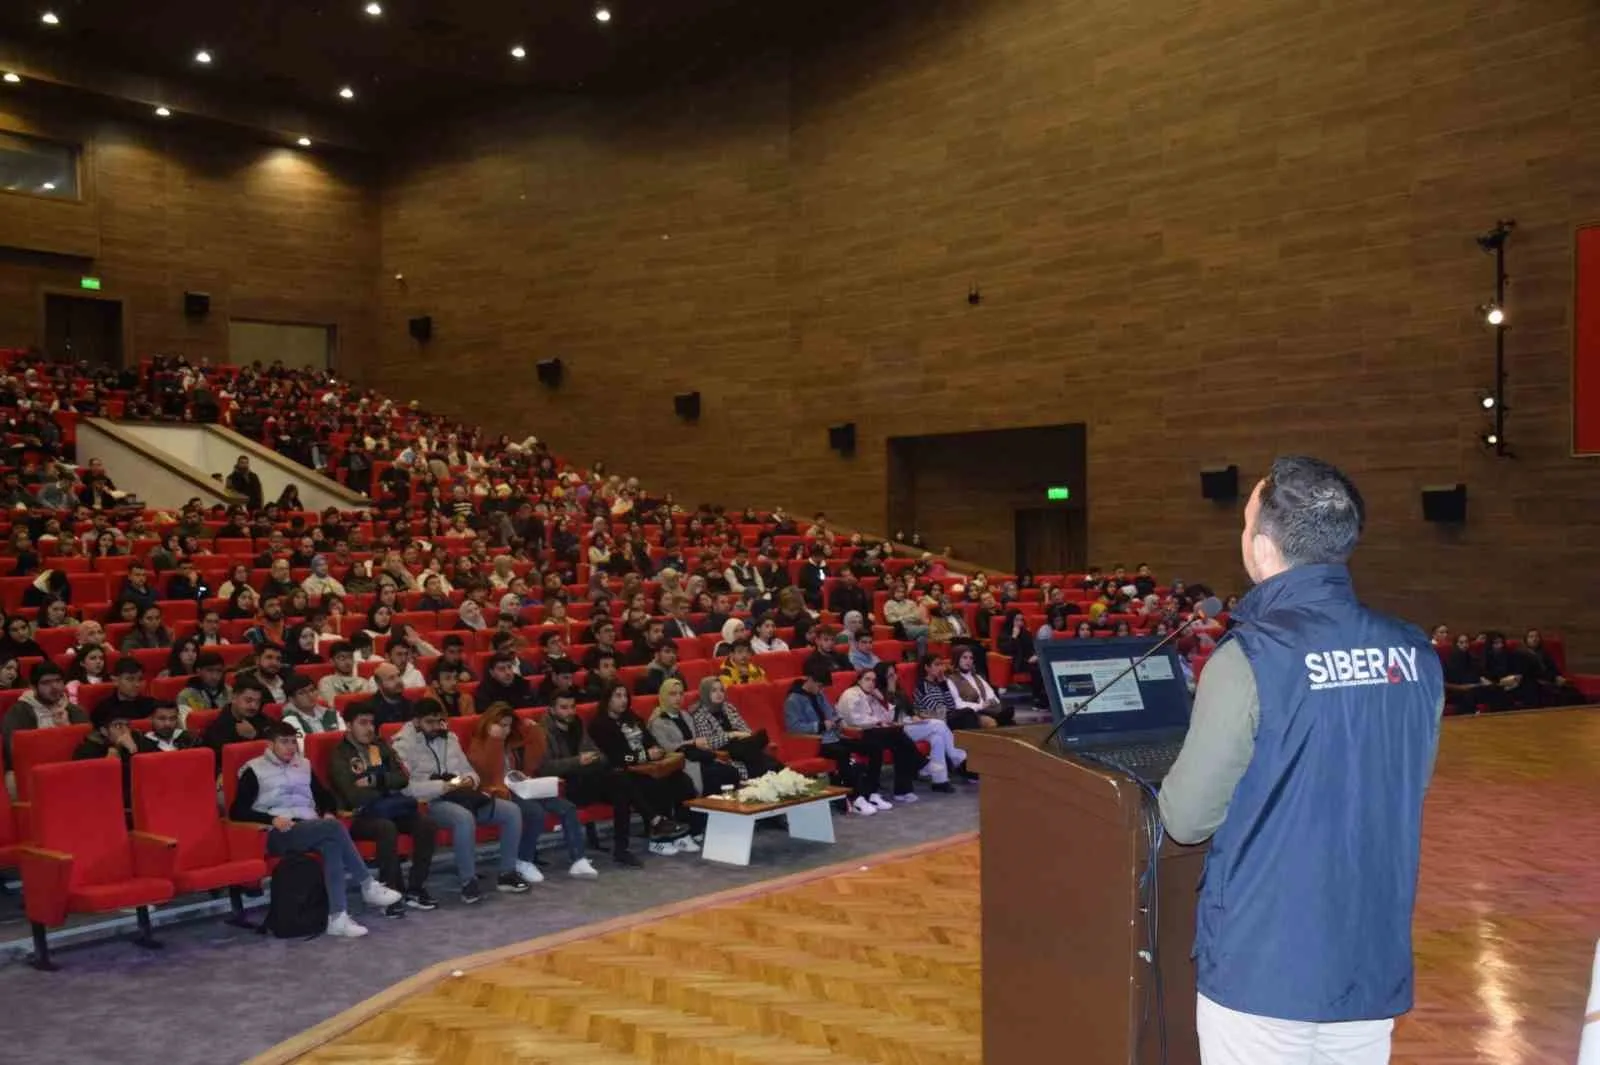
{"type": "Point", "coordinates": [1586, 345]}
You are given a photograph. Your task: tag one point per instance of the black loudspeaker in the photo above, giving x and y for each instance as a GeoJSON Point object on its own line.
{"type": "Point", "coordinates": [687, 404]}
{"type": "Point", "coordinates": [550, 371]}
{"type": "Point", "coordinates": [1445, 503]}
{"type": "Point", "coordinates": [421, 328]}
{"type": "Point", "coordinates": [1220, 483]}
{"type": "Point", "coordinates": [842, 438]}
{"type": "Point", "coordinates": [196, 304]}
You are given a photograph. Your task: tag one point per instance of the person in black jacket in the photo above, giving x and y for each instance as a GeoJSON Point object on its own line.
{"type": "Point", "coordinates": [502, 683]}
{"type": "Point", "coordinates": [243, 720]}
{"type": "Point", "coordinates": [848, 595]}
{"type": "Point", "coordinates": [1540, 668]}
{"type": "Point", "coordinates": [113, 737]}
{"type": "Point", "coordinates": [245, 481]}
{"type": "Point", "coordinates": [626, 741]}
{"type": "Point", "coordinates": [369, 779]}
{"type": "Point", "coordinates": [812, 576]}
{"type": "Point", "coordinates": [389, 704]}
{"type": "Point", "coordinates": [557, 682]}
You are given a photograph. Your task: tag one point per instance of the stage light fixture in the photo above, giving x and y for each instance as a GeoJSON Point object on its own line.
{"type": "Point", "coordinates": [1494, 314]}
{"type": "Point", "coordinates": [347, 93]}
{"type": "Point", "coordinates": [374, 9]}
{"type": "Point", "coordinates": [1491, 439]}
{"type": "Point", "coordinates": [304, 142]}
{"type": "Point", "coordinates": [48, 186]}
{"type": "Point", "coordinates": [50, 18]}
{"type": "Point", "coordinates": [12, 78]}
{"type": "Point", "coordinates": [1487, 402]}
{"type": "Point", "coordinates": [518, 52]}
{"type": "Point", "coordinates": [602, 14]}
{"type": "Point", "coordinates": [162, 112]}
{"type": "Point", "coordinates": [202, 57]}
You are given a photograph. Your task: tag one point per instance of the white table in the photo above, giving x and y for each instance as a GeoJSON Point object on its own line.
{"type": "Point", "coordinates": [731, 825]}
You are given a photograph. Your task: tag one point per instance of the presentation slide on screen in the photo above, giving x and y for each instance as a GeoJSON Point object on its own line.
{"type": "Point", "coordinates": [1076, 681]}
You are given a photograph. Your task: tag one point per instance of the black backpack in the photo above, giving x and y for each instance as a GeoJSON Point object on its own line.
{"type": "Point", "coordinates": [299, 906]}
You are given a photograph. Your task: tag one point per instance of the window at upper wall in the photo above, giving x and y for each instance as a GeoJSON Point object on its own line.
{"type": "Point", "coordinates": [38, 167]}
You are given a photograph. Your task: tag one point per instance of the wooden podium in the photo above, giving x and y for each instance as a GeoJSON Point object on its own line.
{"type": "Point", "coordinates": [1064, 846]}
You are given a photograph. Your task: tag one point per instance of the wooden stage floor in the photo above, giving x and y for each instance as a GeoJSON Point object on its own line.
{"type": "Point", "coordinates": [879, 963]}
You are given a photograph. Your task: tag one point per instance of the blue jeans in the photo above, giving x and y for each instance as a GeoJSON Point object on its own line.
{"type": "Point", "coordinates": [534, 812]}
{"type": "Point", "coordinates": [340, 858]}
{"type": "Point", "coordinates": [463, 828]}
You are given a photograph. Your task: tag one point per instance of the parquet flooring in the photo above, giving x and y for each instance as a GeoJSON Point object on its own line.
{"type": "Point", "coordinates": [880, 964]}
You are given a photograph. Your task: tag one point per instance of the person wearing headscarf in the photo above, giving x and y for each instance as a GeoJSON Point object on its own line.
{"type": "Point", "coordinates": [725, 729]}
{"type": "Point", "coordinates": [321, 583]}
{"type": "Point", "coordinates": [733, 630]}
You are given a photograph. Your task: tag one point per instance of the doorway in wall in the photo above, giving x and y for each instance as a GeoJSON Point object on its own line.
{"type": "Point", "coordinates": [83, 328]}
{"type": "Point", "coordinates": [1050, 539]}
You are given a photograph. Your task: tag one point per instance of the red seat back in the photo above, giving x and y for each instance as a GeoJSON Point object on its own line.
{"type": "Point", "coordinates": [234, 757]}
{"type": "Point", "coordinates": [36, 747]}
{"type": "Point", "coordinates": [78, 811]}
{"type": "Point", "coordinates": [319, 750]}
{"type": "Point", "coordinates": [175, 794]}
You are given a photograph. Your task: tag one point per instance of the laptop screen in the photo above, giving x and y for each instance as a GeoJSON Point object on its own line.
{"type": "Point", "coordinates": [1154, 696]}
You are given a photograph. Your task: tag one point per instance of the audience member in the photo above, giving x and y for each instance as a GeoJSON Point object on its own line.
{"type": "Point", "coordinates": [370, 781]}
{"type": "Point", "coordinates": [807, 711]}
{"type": "Point", "coordinates": [507, 749]}
{"type": "Point", "coordinates": [44, 705]}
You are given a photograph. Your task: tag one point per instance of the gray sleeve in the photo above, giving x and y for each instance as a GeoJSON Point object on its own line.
{"type": "Point", "coordinates": [1194, 797]}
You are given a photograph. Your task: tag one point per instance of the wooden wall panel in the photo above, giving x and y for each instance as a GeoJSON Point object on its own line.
{"type": "Point", "coordinates": [1212, 232]}
{"type": "Point", "coordinates": [270, 232]}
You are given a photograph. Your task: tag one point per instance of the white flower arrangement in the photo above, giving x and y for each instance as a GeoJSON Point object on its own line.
{"type": "Point", "coordinates": [776, 787]}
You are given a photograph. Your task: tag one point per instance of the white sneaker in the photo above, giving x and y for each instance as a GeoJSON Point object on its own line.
{"type": "Point", "coordinates": [880, 802]}
{"type": "Point", "coordinates": [342, 926]}
{"type": "Point", "coordinates": [686, 844]}
{"type": "Point", "coordinates": [530, 872]}
{"type": "Point", "coordinates": [863, 807]}
{"type": "Point", "coordinates": [663, 847]}
{"type": "Point", "coordinates": [376, 894]}
{"type": "Point", "coordinates": [909, 796]}
{"type": "Point", "coordinates": [582, 867]}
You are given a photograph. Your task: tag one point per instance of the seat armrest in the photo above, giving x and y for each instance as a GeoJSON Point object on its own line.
{"type": "Point", "coordinates": [245, 840]}
{"type": "Point", "coordinates": [46, 879]}
{"type": "Point", "coordinates": [153, 855]}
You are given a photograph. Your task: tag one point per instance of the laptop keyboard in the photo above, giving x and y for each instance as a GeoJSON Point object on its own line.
{"type": "Point", "coordinates": [1148, 760]}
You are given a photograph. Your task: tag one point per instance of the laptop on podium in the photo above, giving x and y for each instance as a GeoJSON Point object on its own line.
{"type": "Point", "coordinates": [1138, 723]}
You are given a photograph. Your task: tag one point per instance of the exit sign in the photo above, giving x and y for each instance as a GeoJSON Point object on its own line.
{"type": "Point", "coordinates": [90, 283]}
{"type": "Point", "coordinates": [1057, 494]}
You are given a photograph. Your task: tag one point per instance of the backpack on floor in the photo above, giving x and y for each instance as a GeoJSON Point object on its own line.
{"type": "Point", "coordinates": [299, 906]}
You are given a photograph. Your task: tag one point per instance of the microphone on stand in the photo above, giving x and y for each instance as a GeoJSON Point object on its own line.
{"type": "Point", "coordinates": [1203, 610]}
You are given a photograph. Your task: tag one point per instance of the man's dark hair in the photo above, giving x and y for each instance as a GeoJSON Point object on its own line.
{"type": "Point", "coordinates": [1310, 510]}
{"type": "Point", "coordinates": [547, 638]}
{"type": "Point", "coordinates": [429, 708]}
{"type": "Point", "coordinates": [127, 666]}
{"type": "Point", "coordinates": [564, 666]}
{"type": "Point", "coordinates": [343, 647]}
{"type": "Point", "coordinates": [605, 656]}
{"type": "Point", "coordinates": [208, 660]}
{"type": "Point", "coordinates": [500, 658]}
{"type": "Point", "coordinates": [820, 673]}
{"type": "Point", "coordinates": [268, 646]}
{"type": "Point", "coordinates": [278, 730]}
{"type": "Point", "coordinates": [741, 642]}
{"type": "Point", "coordinates": [248, 685]}
{"type": "Point", "coordinates": [452, 641]}
{"type": "Point", "coordinates": [44, 671]}
{"type": "Point", "coordinates": [355, 710]}
{"type": "Point", "coordinates": [296, 683]}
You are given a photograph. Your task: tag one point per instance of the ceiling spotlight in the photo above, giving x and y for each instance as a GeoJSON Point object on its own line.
{"type": "Point", "coordinates": [49, 18]}
{"type": "Point", "coordinates": [162, 112]}
{"type": "Point", "coordinates": [518, 52]}
{"type": "Point", "coordinates": [374, 9]}
{"type": "Point", "coordinates": [602, 14]}
{"type": "Point", "coordinates": [12, 78]}
{"type": "Point", "coordinates": [1493, 313]}
{"type": "Point", "coordinates": [1487, 402]}
{"type": "Point", "coordinates": [202, 56]}
{"type": "Point", "coordinates": [1491, 439]}
{"type": "Point", "coordinates": [304, 142]}
{"type": "Point", "coordinates": [48, 186]}
{"type": "Point", "coordinates": [348, 93]}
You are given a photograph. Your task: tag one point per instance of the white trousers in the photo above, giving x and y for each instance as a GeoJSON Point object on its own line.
{"type": "Point", "coordinates": [941, 747]}
{"type": "Point", "coordinates": [1228, 1037]}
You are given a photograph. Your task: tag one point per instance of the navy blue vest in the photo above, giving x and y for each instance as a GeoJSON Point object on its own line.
{"type": "Point", "coordinates": [1305, 905]}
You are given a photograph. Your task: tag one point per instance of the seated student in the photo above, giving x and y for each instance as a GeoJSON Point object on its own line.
{"type": "Point", "coordinates": [826, 652]}
{"type": "Point", "coordinates": [369, 780]}
{"type": "Point", "coordinates": [976, 703]}
{"type": "Point", "coordinates": [128, 696]}
{"type": "Point", "coordinates": [553, 649]}
{"type": "Point", "coordinates": [1539, 666]}
{"type": "Point", "coordinates": [860, 651]}
{"type": "Point", "coordinates": [268, 671]}
{"type": "Point", "coordinates": [508, 643]}
{"type": "Point", "coordinates": [344, 680]}
{"type": "Point", "coordinates": [1464, 683]}
{"type": "Point", "coordinates": [654, 790]}
{"type": "Point", "coordinates": [601, 675]}
{"type": "Point", "coordinates": [445, 686]}
{"type": "Point", "coordinates": [942, 750]}
{"type": "Point", "coordinates": [167, 734]}
{"type": "Point", "coordinates": [207, 689]}
{"type": "Point", "coordinates": [399, 656]}
{"type": "Point", "coordinates": [321, 583]}
{"type": "Point", "coordinates": [1503, 669]}
{"type": "Point", "coordinates": [741, 667]}
{"type": "Point", "coordinates": [45, 705]}
{"type": "Point", "coordinates": [677, 625]}
{"type": "Point", "coordinates": [644, 648]}
{"type": "Point", "coordinates": [725, 730]}
{"type": "Point", "coordinates": [503, 743]}
{"type": "Point", "coordinates": [663, 666]}
{"type": "Point", "coordinates": [848, 596]}
{"type": "Point", "coordinates": [279, 789]}
{"type": "Point", "coordinates": [242, 720]}
{"type": "Point", "coordinates": [389, 704]}
{"type": "Point", "coordinates": [862, 706]}
{"type": "Point", "coordinates": [732, 631]}
{"type": "Point", "coordinates": [766, 640]}
{"type": "Point", "coordinates": [442, 777]}
{"type": "Point", "coordinates": [453, 655]}
{"type": "Point", "coordinates": [18, 641]}
{"type": "Point", "coordinates": [112, 737]}
{"type": "Point", "coordinates": [585, 774]}
{"type": "Point", "coordinates": [673, 727]}
{"type": "Point", "coordinates": [559, 681]}
{"type": "Point", "coordinates": [304, 710]}
{"type": "Point", "coordinates": [807, 711]}
{"type": "Point", "coordinates": [434, 596]}
{"type": "Point", "coordinates": [503, 684]}
{"type": "Point", "coordinates": [137, 587]}
{"type": "Point", "coordinates": [605, 643]}
{"type": "Point", "coordinates": [718, 616]}
{"type": "Point", "coordinates": [279, 583]}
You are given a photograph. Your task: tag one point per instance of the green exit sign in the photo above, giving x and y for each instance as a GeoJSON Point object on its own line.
{"type": "Point", "coordinates": [1057, 494]}
{"type": "Point", "coordinates": [90, 283]}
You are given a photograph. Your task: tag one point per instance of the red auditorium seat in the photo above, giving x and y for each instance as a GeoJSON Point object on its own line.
{"type": "Point", "coordinates": [82, 857]}
{"type": "Point", "coordinates": [175, 797]}
{"type": "Point", "coordinates": [10, 831]}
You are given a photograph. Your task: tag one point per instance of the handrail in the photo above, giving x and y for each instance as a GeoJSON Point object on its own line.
{"type": "Point", "coordinates": [257, 450]}
{"type": "Point", "coordinates": [204, 485]}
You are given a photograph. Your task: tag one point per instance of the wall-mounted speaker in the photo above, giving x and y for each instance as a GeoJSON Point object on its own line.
{"type": "Point", "coordinates": [687, 404]}
{"type": "Point", "coordinates": [196, 304]}
{"type": "Point", "coordinates": [550, 371]}
{"type": "Point", "coordinates": [1220, 483]}
{"type": "Point", "coordinates": [421, 328]}
{"type": "Point", "coordinates": [842, 438]}
{"type": "Point", "coordinates": [1445, 503]}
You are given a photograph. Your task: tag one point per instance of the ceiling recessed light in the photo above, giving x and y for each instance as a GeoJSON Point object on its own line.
{"type": "Point", "coordinates": [162, 112]}
{"type": "Point", "coordinates": [49, 18]}
{"type": "Point", "coordinates": [518, 52]}
{"type": "Point", "coordinates": [48, 186]}
{"type": "Point", "coordinates": [304, 142]}
{"type": "Point", "coordinates": [602, 14]}
{"type": "Point", "coordinates": [374, 9]}
{"type": "Point", "coordinates": [12, 78]}
{"type": "Point", "coordinates": [202, 56]}
{"type": "Point", "coordinates": [348, 93]}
